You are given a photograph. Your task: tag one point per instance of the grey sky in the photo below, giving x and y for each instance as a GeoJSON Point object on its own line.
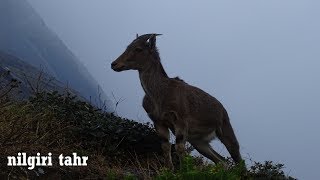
{"type": "Point", "coordinates": [259, 58]}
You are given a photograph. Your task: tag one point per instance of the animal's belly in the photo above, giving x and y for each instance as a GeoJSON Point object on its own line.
{"type": "Point", "coordinates": [202, 137]}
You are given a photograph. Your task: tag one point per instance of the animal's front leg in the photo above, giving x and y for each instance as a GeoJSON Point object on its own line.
{"type": "Point", "coordinates": [181, 135]}
{"type": "Point", "coordinates": [181, 132]}
{"type": "Point", "coordinates": [164, 135]}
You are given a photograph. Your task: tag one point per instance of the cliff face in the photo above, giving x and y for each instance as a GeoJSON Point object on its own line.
{"type": "Point", "coordinates": [25, 35]}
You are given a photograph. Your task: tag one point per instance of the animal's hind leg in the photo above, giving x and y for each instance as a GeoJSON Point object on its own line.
{"type": "Point", "coordinates": [205, 149]}
{"type": "Point", "coordinates": [228, 138]}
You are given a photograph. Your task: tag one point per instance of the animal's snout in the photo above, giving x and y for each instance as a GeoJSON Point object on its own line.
{"type": "Point", "coordinates": [113, 65]}
{"type": "Point", "coordinates": [117, 66]}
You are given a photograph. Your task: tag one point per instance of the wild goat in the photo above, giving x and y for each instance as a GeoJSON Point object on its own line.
{"type": "Point", "coordinates": [190, 113]}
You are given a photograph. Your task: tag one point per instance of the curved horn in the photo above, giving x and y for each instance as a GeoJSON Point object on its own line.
{"type": "Point", "coordinates": [145, 37]}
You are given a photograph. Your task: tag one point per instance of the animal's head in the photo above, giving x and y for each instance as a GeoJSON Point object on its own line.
{"type": "Point", "coordinates": [137, 55]}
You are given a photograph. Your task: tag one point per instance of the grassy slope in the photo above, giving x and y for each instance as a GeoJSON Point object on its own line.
{"type": "Point", "coordinates": [60, 124]}
{"type": "Point", "coordinates": [117, 148]}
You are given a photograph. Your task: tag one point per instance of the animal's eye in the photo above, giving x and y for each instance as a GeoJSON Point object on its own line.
{"type": "Point", "coordinates": [138, 49]}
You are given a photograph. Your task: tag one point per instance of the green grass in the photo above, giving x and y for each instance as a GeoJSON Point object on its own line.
{"type": "Point", "coordinates": [190, 171]}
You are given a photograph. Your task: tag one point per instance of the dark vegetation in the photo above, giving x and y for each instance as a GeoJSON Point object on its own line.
{"type": "Point", "coordinates": [118, 148]}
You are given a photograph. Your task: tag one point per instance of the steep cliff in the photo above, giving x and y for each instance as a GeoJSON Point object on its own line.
{"type": "Point", "coordinates": [25, 35]}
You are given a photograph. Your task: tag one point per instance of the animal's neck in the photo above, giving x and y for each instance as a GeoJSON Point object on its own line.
{"type": "Point", "coordinates": [153, 78]}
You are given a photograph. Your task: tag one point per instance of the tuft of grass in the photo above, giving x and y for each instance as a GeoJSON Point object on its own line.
{"type": "Point", "coordinates": [190, 171]}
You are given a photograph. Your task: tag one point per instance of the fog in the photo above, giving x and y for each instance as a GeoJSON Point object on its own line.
{"type": "Point", "coordinates": [261, 59]}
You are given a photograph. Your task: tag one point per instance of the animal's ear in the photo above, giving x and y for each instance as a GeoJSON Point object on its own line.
{"type": "Point", "coordinates": [137, 35]}
{"type": "Point", "coordinates": [152, 42]}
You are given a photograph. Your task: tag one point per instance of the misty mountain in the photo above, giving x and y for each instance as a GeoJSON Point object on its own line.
{"type": "Point", "coordinates": [24, 34]}
{"type": "Point", "coordinates": [31, 78]}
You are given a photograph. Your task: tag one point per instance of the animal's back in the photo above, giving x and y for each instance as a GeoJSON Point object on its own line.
{"type": "Point", "coordinates": [198, 103]}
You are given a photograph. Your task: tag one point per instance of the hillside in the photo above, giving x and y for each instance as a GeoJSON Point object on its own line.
{"type": "Point", "coordinates": [116, 148]}
{"type": "Point", "coordinates": [25, 35]}
{"type": "Point", "coordinates": [49, 122]}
